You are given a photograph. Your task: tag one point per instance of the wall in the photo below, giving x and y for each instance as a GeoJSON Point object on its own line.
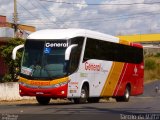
{"type": "Point", "coordinates": [3, 21]}
{"type": "Point", "coordinates": [10, 91]}
{"type": "Point", "coordinates": [6, 32]}
{"type": "Point", "coordinates": [151, 51]}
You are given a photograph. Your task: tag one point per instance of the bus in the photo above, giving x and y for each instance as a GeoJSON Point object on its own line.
{"type": "Point", "coordinates": [81, 65]}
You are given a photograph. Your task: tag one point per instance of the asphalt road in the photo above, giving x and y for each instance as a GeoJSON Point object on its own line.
{"type": "Point", "coordinates": [141, 107]}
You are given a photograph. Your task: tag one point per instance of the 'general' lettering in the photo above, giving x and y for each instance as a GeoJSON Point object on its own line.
{"type": "Point", "coordinates": [56, 44]}
{"type": "Point", "coordinates": [92, 67]}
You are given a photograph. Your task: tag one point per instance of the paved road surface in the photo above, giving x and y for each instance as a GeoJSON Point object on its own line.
{"type": "Point", "coordinates": [141, 107]}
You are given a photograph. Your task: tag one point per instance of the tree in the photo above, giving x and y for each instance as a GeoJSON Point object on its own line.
{"type": "Point", "coordinates": [6, 53]}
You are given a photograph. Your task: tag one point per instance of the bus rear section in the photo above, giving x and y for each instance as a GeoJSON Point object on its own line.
{"type": "Point", "coordinates": [113, 69]}
{"type": "Point", "coordinates": [131, 80]}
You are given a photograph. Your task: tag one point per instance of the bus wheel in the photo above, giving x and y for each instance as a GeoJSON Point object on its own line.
{"type": "Point", "coordinates": [93, 100]}
{"type": "Point", "coordinates": [126, 96]}
{"type": "Point", "coordinates": [43, 100]}
{"type": "Point", "coordinates": [84, 96]}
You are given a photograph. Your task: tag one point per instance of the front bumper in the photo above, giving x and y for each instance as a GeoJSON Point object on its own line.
{"type": "Point", "coordinates": [58, 92]}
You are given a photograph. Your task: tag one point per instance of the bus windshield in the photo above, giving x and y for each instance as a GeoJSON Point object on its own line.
{"type": "Point", "coordinates": [44, 59]}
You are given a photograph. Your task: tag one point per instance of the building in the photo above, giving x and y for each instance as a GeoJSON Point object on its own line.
{"type": "Point", "coordinates": [6, 32]}
{"type": "Point", "coordinates": [143, 38]}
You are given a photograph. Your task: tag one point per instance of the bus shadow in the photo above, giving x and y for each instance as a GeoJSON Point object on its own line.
{"type": "Point", "coordinates": [62, 102]}
{"type": "Point", "coordinates": [50, 104]}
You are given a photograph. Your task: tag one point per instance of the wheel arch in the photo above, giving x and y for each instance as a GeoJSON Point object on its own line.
{"type": "Point", "coordinates": [85, 83]}
{"type": "Point", "coordinates": [129, 86]}
{"type": "Point", "coordinates": [84, 93]}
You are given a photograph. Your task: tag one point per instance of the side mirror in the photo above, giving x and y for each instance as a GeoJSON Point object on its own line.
{"type": "Point", "coordinates": [15, 51]}
{"type": "Point", "coordinates": [68, 51]}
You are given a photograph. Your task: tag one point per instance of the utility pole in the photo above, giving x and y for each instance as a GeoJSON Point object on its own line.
{"type": "Point", "coordinates": [14, 24]}
{"type": "Point", "coordinates": [15, 19]}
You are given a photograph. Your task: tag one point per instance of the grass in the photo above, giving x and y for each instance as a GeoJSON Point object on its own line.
{"type": "Point", "coordinates": [152, 68]}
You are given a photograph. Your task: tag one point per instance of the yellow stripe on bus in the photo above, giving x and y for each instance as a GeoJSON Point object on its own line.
{"type": "Point", "coordinates": [112, 80]}
{"type": "Point", "coordinates": [124, 42]}
{"type": "Point", "coordinates": [44, 83]}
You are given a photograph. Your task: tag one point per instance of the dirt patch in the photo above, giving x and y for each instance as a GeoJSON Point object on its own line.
{"type": "Point", "coordinates": [18, 102]}
{"type": "Point", "coordinates": [53, 101]}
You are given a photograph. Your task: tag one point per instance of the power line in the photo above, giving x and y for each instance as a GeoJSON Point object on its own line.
{"type": "Point", "coordinates": [122, 17]}
{"type": "Point", "coordinates": [29, 12]}
{"type": "Point", "coordinates": [43, 7]}
{"type": "Point", "coordinates": [109, 20]}
{"type": "Point", "coordinates": [95, 4]}
{"type": "Point", "coordinates": [87, 19]}
{"type": "Point", "coordinates": [42, 14]}
{"type": "Point", "coordinates": [113, 18]}
{"type": "Point", "coordinates": [97, 19]}
{"type": "Point", "coordinates": [60, 21]}
{"type": "Point", "coordinates": [116, 18]}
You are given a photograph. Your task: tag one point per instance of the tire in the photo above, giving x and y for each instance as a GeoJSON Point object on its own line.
{"type": "Point", "coordinates": [84, 96]}
{"type": "Point", "coordinates": [126, 96]}
{"type": "Point", "coordinates": [93, 100]}
{"type": "Point", "coordinates": [119, 99]}
{"type": "Point", "coordinates": [43, 100]}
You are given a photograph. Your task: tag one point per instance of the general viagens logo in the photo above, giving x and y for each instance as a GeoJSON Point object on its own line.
{"type": "Point", "coordinates": [56, 44]}
{"type": "Point", "coordinates": [92, 66]}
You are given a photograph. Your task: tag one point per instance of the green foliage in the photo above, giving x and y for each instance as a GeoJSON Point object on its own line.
{"type": "Point", "coordinates": [150, 64]}
{"type": "Point", "coordinates": [7, 78]}
{"type": "Point", "coordinates": [6, 53]}
{"type": "Point", "coordinates": [157, 55]}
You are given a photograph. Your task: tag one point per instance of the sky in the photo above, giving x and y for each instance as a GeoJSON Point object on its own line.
{"type": "Point", "coordinates": [114, 17]}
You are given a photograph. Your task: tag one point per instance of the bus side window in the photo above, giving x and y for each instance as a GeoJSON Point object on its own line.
{"type": "Point", "coordinates": [74, 60]}
{"type": "Point", "coordinates": [75, 54]}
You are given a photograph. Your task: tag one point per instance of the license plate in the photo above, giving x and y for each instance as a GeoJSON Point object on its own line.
{"type": "Point", "coordinates": [39, 93]}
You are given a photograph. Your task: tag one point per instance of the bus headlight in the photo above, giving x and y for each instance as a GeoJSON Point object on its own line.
{"type": "Point", "coordinates": [22, 83]}
{"type": "Point", "coordinates": [63, 83]}
{"type": "Point", "coordinates": [59, 85]}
